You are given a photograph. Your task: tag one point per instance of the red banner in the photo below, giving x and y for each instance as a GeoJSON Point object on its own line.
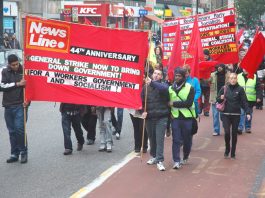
{"type": "Point", "coordinates": [217, 34]}
{"type": "Point", "coordinates": [81, 64]}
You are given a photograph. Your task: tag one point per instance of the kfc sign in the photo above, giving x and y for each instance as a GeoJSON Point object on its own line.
{"type": "Point", "coordinates": [87, 10]}
{"type": "Point", "coordinates": [47, 36]}
{"type": "Point", "coordinates": [130, 11]}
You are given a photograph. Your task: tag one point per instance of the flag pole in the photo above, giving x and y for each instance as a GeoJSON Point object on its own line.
{"type": "Point", "coordinates": [145, 99]}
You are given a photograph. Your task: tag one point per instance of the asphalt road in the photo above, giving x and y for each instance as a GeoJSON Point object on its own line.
{"type": "Point", "coordinates": [48, 172]}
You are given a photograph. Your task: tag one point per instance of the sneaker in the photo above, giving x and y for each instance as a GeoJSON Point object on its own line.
{"type": "Point", "coordinates": [160, 166]}
{"type": "Point", "coordinates": [117, 136]}
{"type": "Point", "coordinates": [248, 130]}
{"type": "Point", "coordinates": [226, 156]}
{"type": "Point", "coordinates": [102, 147]}
{"type": "Point", "coordinates": [12, 159]}
{"type": "Point", "coordinates": [233, 157]}
{"type": "Point", "coordinates": [239, 131]}
{"type": "Point", "coordinates": [206, 114]}
{"type": "Point", "coordinates": [67, 152]}
{"type": "Point", "coordinates": [90, 142]}
{"type": "Point", "coordinates": [151, 161]}
{"type": "Point", "coordinates": [109, 147]}
{"type": "Point", "coordinates": [113, 130]}
{"type": "Point", "coordinates": [184, 162]}
{"type": "Point", "coordinates": [215, 134]}
{"type": "Point", "coordinates": [177, 165]}
{"type": "Point", "coordinates": [24, 159]}
{"type": "Point", "coordinates": [145, 150]}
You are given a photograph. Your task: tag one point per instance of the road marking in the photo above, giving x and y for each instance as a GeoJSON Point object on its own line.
{"type": "Point", "coordinates": [103, 177]}
{"type": "Point", "coordinates": [206, 142]}
{"type": "Point", "coordinates": [202, 164]}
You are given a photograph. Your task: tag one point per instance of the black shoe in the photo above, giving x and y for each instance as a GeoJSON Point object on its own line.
{"type": "Point", "coordinates": [24, 159]}
{"type": "Point", "coordinates": [233, 157]}
{"type": "Point", "coordinates": [239, 132]}
{"type": "Point", "coordinates": [12, 159]}
{"type": "Point", "coordinates": [145, 150]}
{"type": "Point", "coordinates": [79, 147]}
{"type": "Point", "coordinates": [67, 152]}
{"type": "Point", "coordinates": [206, 114]}
{"type": "Point", "coordinates": [226, 155]}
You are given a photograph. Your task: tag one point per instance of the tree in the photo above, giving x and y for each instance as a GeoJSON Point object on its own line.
{"type": "Point", "coordinates": [249, 12]}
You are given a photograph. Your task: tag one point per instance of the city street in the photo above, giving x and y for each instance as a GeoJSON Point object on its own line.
{"type": "Point", "coordinates": [48, 172]}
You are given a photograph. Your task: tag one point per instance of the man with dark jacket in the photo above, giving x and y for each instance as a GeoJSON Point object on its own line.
{"type": "Point", "coordinates": [13, 101]}
{"type": "Point", "coordinates": [157, 115]}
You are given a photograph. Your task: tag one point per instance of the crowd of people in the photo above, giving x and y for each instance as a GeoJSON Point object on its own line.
{"type": "Point", "coordinates": [10, 42]}
{"type": "Point", "coordinates": [168, 108]}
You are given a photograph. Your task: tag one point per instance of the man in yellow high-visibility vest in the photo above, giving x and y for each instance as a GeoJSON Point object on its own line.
{"type": "Point", "coordinates": [254, 95]}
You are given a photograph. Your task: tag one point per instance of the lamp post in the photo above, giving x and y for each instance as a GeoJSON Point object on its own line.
{"type": "Point", "coordinates": [197, 6]}
{"type": "Point", "coordinates": [1, 22]}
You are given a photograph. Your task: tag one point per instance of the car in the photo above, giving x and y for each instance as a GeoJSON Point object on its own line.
{"type": "Point", "coordinates": [4, 53]}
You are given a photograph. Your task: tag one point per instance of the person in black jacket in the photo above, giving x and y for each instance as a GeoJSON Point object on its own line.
{"type": "Point", "coordinates": [235, 99]}
{"type": "Point", "coordinates": [13, 101]}
{"type": "Point", "coordinates": [157, 115]}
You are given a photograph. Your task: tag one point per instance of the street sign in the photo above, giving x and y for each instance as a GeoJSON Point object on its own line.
{"type": "Point", "coordinates": [143, 12]}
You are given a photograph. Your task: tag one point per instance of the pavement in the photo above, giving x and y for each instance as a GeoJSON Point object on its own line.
{"type": "Point", "coordinates": [207, 174]}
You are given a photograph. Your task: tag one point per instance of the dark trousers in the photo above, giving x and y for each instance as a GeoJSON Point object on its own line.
{"type": "Point", "coordinates": [75, 121]}
{"type": "Point", "coordinates": [138, 133]}
{"type": "Point", "coordinates": [181, 132]}
{"type": "Point", "coordinates": [89, 122]}
{"type": "Point", "coordinates": [117, 123]}
{"type": "Point", "coordinates": [205, 105]}
{"type": "Point", "coordinates": [230, 121]}
{"type": "Point", "coordinates": [14, 117]}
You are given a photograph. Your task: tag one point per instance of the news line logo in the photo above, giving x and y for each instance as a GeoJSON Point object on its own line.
{"type": "Point", "coordinates": [47, 35]}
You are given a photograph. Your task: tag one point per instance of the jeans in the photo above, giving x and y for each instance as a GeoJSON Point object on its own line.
{"type": "Point", "coordinates": [244, 121]}
{"type": "Point", "coordinates": [216, 121]}
{"type": "Point", "coordinates": [156, 132]}
{"type": "Point", "coordinates": [104, 119]}
{"type": "Point", "coordinates": [230, 121]}
{"type": "Point", "coordinates": [14, 117]}
{"type": "Point", "coordinates": [75, 120]}
{"type": "Point", "coordinates": [181, 133]}
{"type": "Point", "coordinates": [138, 133]}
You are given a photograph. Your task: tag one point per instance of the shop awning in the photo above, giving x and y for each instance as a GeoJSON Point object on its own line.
{"type": "Point", "coordinates": [154, 18]}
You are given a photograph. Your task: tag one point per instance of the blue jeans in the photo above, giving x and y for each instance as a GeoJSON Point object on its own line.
{"type": "Point", "coordinates": [14, 117]}
{"type": "Point", "coordinates": [216, 120]}
{"type": "Point", "coordinates": [181, 133]}
{"type": "Point", "coordinates": [156, 129]}
{"type": "Point", "coordinates": [244, 121]}
{"type": "Point", "coordinates": [75, 120]}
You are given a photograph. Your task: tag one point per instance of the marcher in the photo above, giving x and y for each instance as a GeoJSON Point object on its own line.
{"type": "Point", "coordinates": [235, 98]}
{"type": "Point", "coordinates": [194, 82]}
{"type": "Point", "coordinates": [254, 95]}
{"type": "Point", "coordinates": [104, 119]}
{"type": "Point", "coordinates": [71, 116]}
{"type": "Point", "coordinates": [218, 79]}
{"type": "Point", "coordinates": [14, 43]}
{"type": "Point", "coordinates": [13, 101]}
{"type": "Point", "coordinates": [156, 116]}
{"type": "Point", "coordinates": [182, 110]}
{"type": "Point", "coordinates": [89, 122]}
{"type": "Point", "coordinates": [137, 121]}
{"type": "Point", "coordinates": [205, 87]}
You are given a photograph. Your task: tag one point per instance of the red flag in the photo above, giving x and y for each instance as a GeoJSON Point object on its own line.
{"type": "Point", "coordinates": [88, 22]}
{"type": "Point", "coordinates": [206, 68]}
{"type": "Point", "coordinates": [175, 58]}
{"type": "Point", "coordinates": [254, 55]}
{"type": "Point", "coordinates": [195, 49]}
